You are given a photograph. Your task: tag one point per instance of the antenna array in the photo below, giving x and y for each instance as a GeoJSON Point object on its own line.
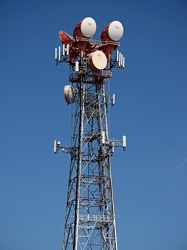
{"type": "Point", "coordinates": [90, 215]}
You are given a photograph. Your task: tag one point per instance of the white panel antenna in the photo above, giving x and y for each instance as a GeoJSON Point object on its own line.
{"type": "Point", "coordinates": [59, 53]}
{"type": "Point", "coordinates": [103, 137]}
{"type": "Point", "coordinates": [63, 49]}
{"type": "Point", "coordinates": [113, 99]}
{"type": "Point", "coordinates": [123, 65]}
{"type": "Point", "coordinates": [124, 142]}
{"type": "Point", "coordinates": [77, 66]}
{"type": "Point", "coordinates": [55, 146]}
{"type": "Point", "coordinates": [117, 55]}
{"type": "Point", "coordinates": [56, 53]}
{"type": "Point", "coordinates": [119, 59]}
{"type": "Point", "coordinates": [67, 49]}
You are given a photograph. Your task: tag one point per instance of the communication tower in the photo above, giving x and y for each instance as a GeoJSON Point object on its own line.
{"type": "Point", "coordinates": [90, 216]}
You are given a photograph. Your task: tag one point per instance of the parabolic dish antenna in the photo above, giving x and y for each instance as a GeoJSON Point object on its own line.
{"type": "Point", "coordinates": [85, 28]}
{"type": "Point", "coordinates": [112, 32]}
{"type": "Point", "coordinates": [97, 60]}
{"type": "Point", "coordinates": [69, 95]}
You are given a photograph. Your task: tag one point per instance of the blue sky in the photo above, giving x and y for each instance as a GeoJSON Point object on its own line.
{"type": "Point", "coordinates": [150, 179]}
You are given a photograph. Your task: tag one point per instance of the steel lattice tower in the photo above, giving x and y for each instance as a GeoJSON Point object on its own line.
{"type": "Point", "coordinates": [90, 216]}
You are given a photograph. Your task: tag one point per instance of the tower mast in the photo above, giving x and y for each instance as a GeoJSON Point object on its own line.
{"type": "Point", "coordinates": [90, 215]}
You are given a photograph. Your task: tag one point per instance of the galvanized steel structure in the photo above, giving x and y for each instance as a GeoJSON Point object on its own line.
{"type": "Point", "coordinates": [90, 215]}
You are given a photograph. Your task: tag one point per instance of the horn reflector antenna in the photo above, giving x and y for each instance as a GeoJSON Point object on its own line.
{"type": "Point", "coordinates": [86, 28]}
{"type": "Point", "coordinates": [112, 32]}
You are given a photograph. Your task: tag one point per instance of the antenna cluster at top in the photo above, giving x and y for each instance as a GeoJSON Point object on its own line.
{"type": "Point", "coordinates": [97, 55]}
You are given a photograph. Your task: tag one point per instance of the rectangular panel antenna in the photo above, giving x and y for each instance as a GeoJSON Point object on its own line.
{"type": "Point", "coordinates": [117, 55]}
{"type": "Point", "coordinates": [124, 142]}
{"type": "Point", "coordinates": [119, 63]}
{"type": "Point", "coordinates": [113, 99]}
{"type": "Point", "coordinates": [67, 49]}
{"type": "Point", "coordinates": [103, 137]}
{"type": "Point", "coordinates": [56, 53]}
{"type": "Point", "coordinates": [59, 53]}
{"type": "Point", "coordinates": [55, 151]}
{"type": "Point", "coordinates": [77, 66]}
{"type": "Point", "coordinates": [63, 49]}
{"type": "Point", "coordinates": [123, 62]}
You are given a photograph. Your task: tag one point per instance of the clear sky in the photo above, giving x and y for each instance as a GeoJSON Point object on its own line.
{"type": "Point", "coordinates": [150, 179]}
